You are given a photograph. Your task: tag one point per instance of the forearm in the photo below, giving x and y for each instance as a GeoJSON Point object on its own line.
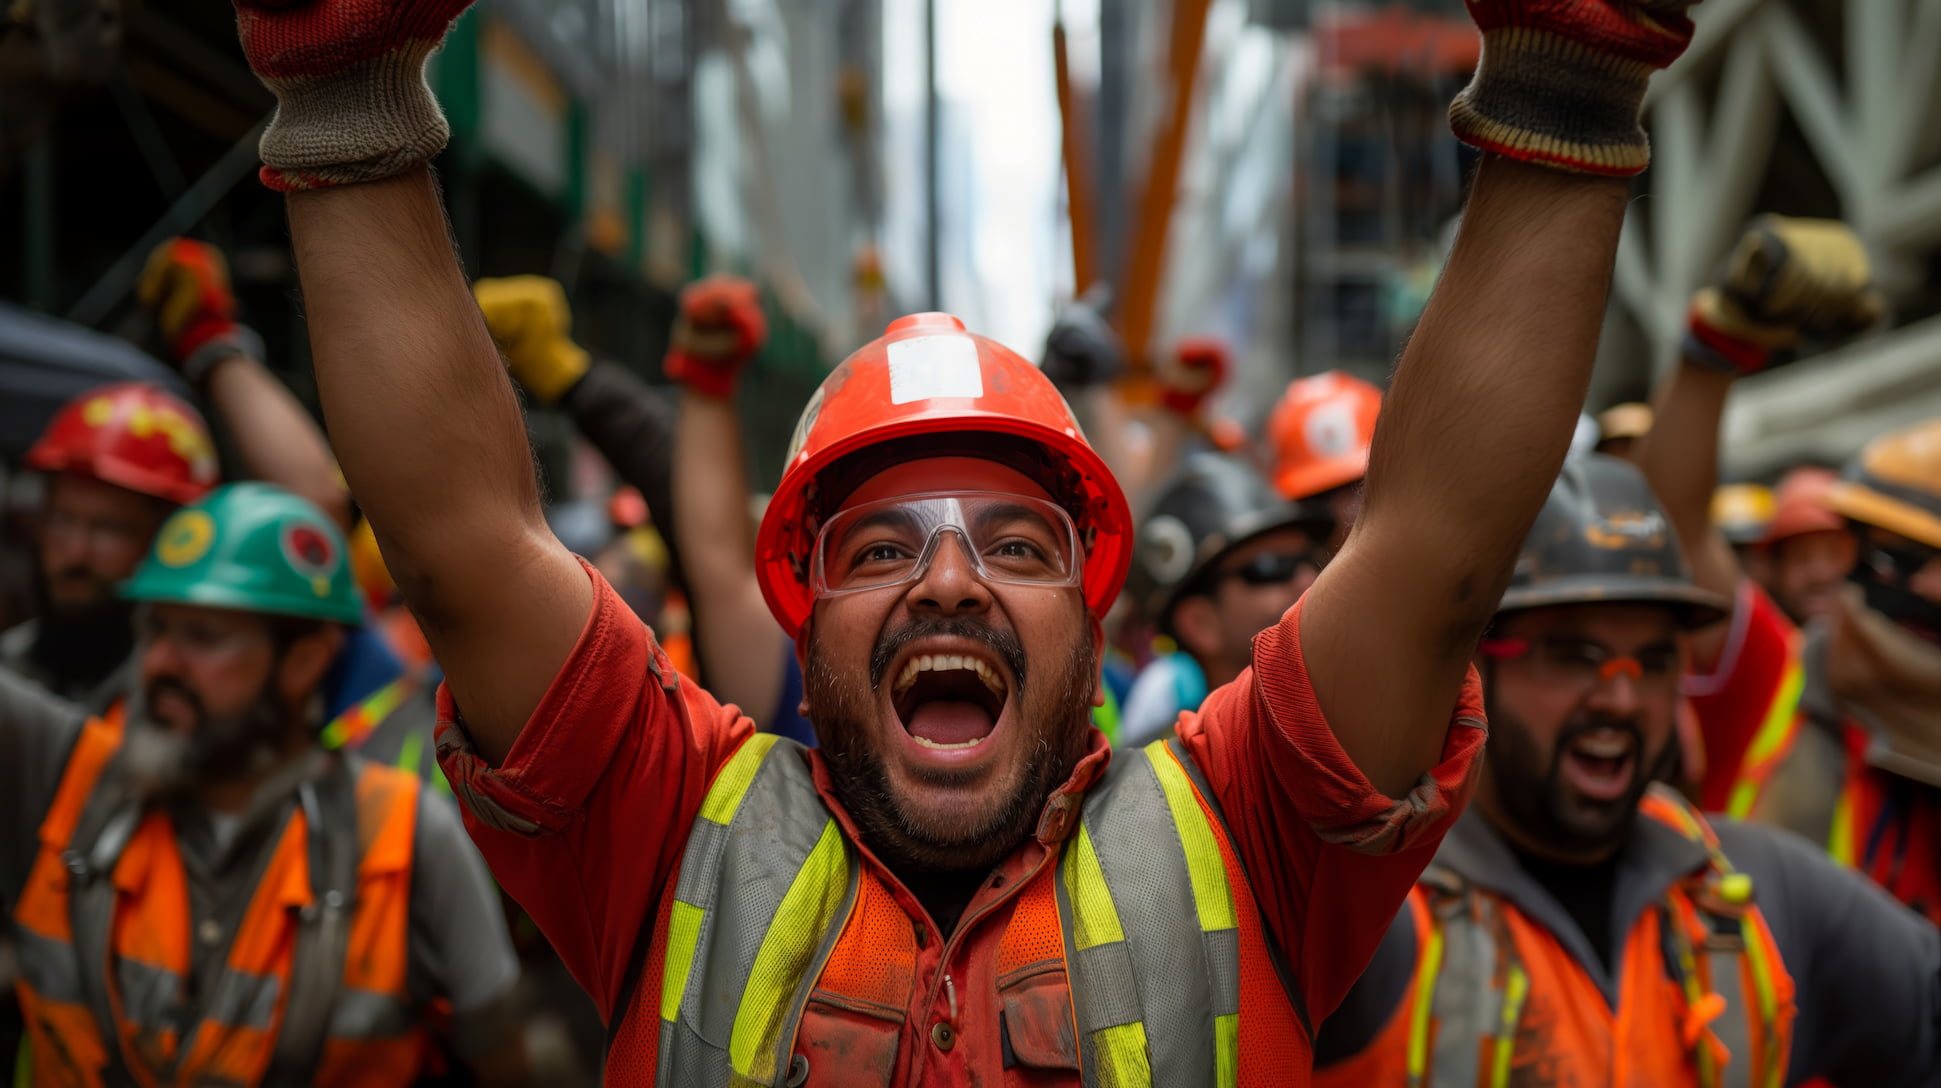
{"type": "Point", "coordinates": [276, 439]}
{"type": "Point", "coordinates": [738, 642]}
{"type": "Point", "coordinates": [1680, 458]}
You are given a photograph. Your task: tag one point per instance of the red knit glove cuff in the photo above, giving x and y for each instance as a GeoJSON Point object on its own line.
{"type": "Point", "coordinates": [705, 375]}
{"type": "Point", "coordinates": [1718, 350]}
{"type": "Point", "coordinates": [201, 330]}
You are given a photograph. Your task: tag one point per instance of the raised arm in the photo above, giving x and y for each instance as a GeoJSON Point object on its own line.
{"type": "Point", "coordinates": [1482, 405]}
{"type": "Point", "coordinates": [420, 410]}
{"type": "Point", "coordinates": [1784, 278]}
{"type": "Point", "coordinates": [186, 286]}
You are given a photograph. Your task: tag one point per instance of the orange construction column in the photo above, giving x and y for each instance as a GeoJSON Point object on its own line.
{"type": "Point", "coordinates": [1078, 170]}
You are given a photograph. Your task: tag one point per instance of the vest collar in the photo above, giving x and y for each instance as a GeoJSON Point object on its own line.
{"type": "Point", "coordinates": [1655, 858]}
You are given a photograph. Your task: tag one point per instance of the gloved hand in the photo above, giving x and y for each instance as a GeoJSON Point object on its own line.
{"type": "Point", "coordinates": [348, 76]}
{"type": "Point", "coordinates": [1197, 371]}
{"type": "Point", "coordinates": [532, 325]}
{"type": "Point", "coordinates": [1787, 278]}
{"type": "Point", "coordinates": [186, 286]}
{"type": "Point", "coordinates": [1562, 82]}
{"type": "Point", "coordinates": [719, 329]}
{"type": "Point", "coordinates": [1082, 350]}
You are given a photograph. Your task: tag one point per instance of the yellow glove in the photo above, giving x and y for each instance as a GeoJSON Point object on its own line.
{"type": "Point", "coordinates": [1785, 278]}
{"type": "Point", "coordinates": [531, 323]}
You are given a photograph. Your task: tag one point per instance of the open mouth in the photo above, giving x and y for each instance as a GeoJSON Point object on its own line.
{"type": "Point", "coordinates": [949, 701]}
{"type": "Point", "coordinates": [1601, 763]}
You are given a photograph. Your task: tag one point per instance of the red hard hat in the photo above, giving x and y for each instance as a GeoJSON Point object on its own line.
{"type": "Point", "coordinates": [926, 376]}
{"type": "Point", "coordinates": [1321, 430]}
{"type": "Point", "coordinates": [1801, 504]}
{"type": "Point", "coordinates": [131, 435]}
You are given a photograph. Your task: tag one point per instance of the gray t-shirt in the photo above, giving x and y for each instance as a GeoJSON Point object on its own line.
{"type": "Point", "coordinates": [459, 947]}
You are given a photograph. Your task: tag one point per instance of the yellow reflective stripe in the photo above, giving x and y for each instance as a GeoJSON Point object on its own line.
{"type": "Point", "coordinates": [409, 751]}
{"type": "Point", "coordinates": [1122, 1061]}
{"type": "Point", "coordinates": [1515, 989]}
{"type": "Point", "coordinates": [1768, 998]}
{"type": "Point", "coordinates": [358, 719]}
{"type": "Point", "coordinates": [1782, 718]}
{"type": "Point", "coordinates": [806, 911]}
{"type": "Point", "coordinates": [683, 931]}
{"type": "Point", "coordinates": [1094, 919]}
{"type": "Point", "coordinates": [731, 784]}
{"type": "Point", "coordinates": [1708, 1076]}
{"type": "Point", "coordinates": [1226, 1050]}
{"type": "Point", "coordinates": [1212, 897]}
{"type": "Point", "coordinates": [1839, 838]}
{"type": "Point", "coordinates": [1426, 973]}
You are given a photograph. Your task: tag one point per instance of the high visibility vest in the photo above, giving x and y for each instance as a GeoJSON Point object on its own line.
{"type": "Point", "coordinates": [1888, 827]}
{"type": "Point", "coordinates": [1703, 998]}
{"type": "Point", "coordinates": [1778, 731]}
{"type": "Point", "coordinates": [330, 911]}
{"type": "Point", "coordinates": [778, 958]}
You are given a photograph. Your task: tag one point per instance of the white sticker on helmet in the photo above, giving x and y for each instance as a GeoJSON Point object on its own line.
{"type": "Point", "coordinates": [926, 367]}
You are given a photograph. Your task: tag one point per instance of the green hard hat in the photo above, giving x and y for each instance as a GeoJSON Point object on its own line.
{"type": "Point", "coordinates": [255, 547]}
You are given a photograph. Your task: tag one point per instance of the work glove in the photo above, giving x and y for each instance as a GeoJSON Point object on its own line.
{"type": "Point", "coordinates": [349, 79]}
{"type": "Point", "coordinates": [1082, 350]}
{"type": "Point", "coordinates": [1562, 82]}
{"type": "Point", "coordinates": [186, 286]}
{"type": "Point", "coordinates": [530, 321]}
{"type": "Point", "coordinates": [1197, 371]}
{"type": "Point", "coordinates": [1785, 280]}
{"type": "Point", "coordinates": [718, 330]}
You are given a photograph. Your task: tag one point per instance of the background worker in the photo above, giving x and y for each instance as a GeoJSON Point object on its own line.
{"type": "Point", "coordinates": [1321, 431]}
{"type": "Point", "coordinates": [120, 458]}
{"type": "Point", "coordinates": [1220, 559]}
{"type": "Point", "coordinates": [198, 890]}
{"type": "Point", "coordinates": [1809, 549]}
{"type": "Point", "coordinates": [1583, 925]}
{"type": "Point", "coordinates": [1831, 731]}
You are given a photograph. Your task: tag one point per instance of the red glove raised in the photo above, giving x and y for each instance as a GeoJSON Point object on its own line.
{"type": "Point", "coordinates": [186, 286]}
{"type": "Point", "coordinates": [719, 329]}
{"type": "Point", "coordinates": [1199, 369]}
{"type": "Point", "coordinates": [348, 75]}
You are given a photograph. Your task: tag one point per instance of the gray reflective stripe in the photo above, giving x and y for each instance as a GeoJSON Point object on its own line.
{"type": "Point", "coordinates": [243, 1000]}
{"type": "Point", "coordinates": [1466, 1005]}
{"type": "Point", "coordinates": [735, 876]}
{"type": "Point", "coordinates": [1104, 974]}
{"type": "Point", "coordinates": [1223, 965]}
{"type": "Point", "coordinates": [1734, 1026]}
{"type": "Point", "coordinates": [150, 995]}
{"type": "Point", "coordinates": [369, 1014]}
{"type": "Point", "coordinates": [49, 966]}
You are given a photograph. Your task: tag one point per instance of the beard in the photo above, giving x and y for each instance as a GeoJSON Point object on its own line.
{"type": "Point", "coordinates": [167, 761]}
{"type": "Point", "coordinates": [1529, 786]}
{"type": "Point", "coordinates": [1055, 714]}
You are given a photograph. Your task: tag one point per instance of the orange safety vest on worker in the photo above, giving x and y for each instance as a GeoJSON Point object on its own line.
{"type": "Point", "coordinates": [108, 887]}
{"type": "Point", "coordinates": [774, 930]}
{"type": "Point", "coordinates": [1702, 998]}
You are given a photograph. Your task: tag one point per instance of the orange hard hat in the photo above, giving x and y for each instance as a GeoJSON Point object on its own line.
{"type": "Point", "coordinates": [1895, 484]}
{"type": "Point", "coordinates": [1801, 504]}
{"type": "Point", "coordinates": [926, 377]}
{"type": "Point", "coordinates": [627, 508]}
{"type": "Point", "coordinates": [1320, 432]}
{"type": "Point", "coordinates": [132, 435]}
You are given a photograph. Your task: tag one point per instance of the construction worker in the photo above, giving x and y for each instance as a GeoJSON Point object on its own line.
{"type": "Point", "coordinates": [962, 879]}
{"type": "Point", "coordinates": [1583, 924]}
{"type": "Point", "coordinates": [1808, 549]}
{"type": "Point", "coordinates": [1321, 432]}
{"type": "Point", "coordinates": [1221, 557]}
{"type": "Point", "coordinates": [120, 458]}
{"type": "Point", "coordinates": [1830, 730]}
{"type": "Point", "coordinates": [198, 891]}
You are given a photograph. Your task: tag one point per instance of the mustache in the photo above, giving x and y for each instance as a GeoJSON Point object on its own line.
{"type": "Point", "coordinates": [171, 686]}
{"type": "Point", "coordinates": [1001, 643]}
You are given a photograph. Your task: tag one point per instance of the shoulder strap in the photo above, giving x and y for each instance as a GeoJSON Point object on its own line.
{"type": "Point", "coordinates": [329, 806]}
{"type": "Point", "coordinates": [1471, 988]}
{"type": "Point", "coordinates": [107, 822]}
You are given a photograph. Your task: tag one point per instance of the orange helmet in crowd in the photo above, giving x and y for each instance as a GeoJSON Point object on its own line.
{"type": "Point", "coordinates": [1321, 431]}
{"type": "Point", "coordinates": [134, 436]}
{"type": "Point", "coordinates": [1802, 504]}
{"type": "Point", "coordinates": [945, 392]}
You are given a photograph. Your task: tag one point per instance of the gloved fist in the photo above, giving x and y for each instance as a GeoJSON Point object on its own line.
{"type": "Point", "coordinates": [1082, 350]}
{"type": "Point", "coordinates": [1197, 371]}
{"type": "Point", "coordinates": [719, 329]}
{"type": "Point", "coordinates": [186, 286]}
{"type": "Point", "coordinates": [532, 325]}
{"type": "Point", "coordinates": [1786, 278]}
{"type": "Point", "coordinates": [349, 81]}
{"type": "Point", "coordinates": [1562, 82]}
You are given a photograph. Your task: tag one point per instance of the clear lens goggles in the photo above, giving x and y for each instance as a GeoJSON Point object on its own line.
{"type": "Point", "coordinates": [891, 542]}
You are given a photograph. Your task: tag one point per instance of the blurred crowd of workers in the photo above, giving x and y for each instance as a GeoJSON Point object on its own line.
{"type": "Point", "coordinates": [1232, 825]}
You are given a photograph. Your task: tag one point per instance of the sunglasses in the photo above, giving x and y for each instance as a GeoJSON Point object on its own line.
{"type": "Point", "coordinates": [1273, 568]}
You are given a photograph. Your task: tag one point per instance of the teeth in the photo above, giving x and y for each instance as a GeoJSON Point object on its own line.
{"type": "Point", "coordinates": [928, 743]}
{"type": "Point", "coordinates": [946, 663]}
{"type": "Point", "coordinates": [1604, 746]}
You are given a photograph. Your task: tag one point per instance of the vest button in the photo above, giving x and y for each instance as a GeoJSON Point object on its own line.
{"type": "Point", "coordinates": [942, 1035]}
{"type": "Point", "coordinates": [209, 932]}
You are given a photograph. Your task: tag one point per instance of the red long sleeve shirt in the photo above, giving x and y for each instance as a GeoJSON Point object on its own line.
{"type": "Point", "coordinates": [585, 821]}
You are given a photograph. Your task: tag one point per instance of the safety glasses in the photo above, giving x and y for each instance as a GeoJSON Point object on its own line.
{"type": "Point", "coordinates": [1580, 665]}
{"type": "Point", "coordinates": [892, 542]}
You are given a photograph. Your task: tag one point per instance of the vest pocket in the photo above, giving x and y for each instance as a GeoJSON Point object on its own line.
{"type": "Point", "coordinates": [1035, 1018]}
{"type": "Point", "coordinates": [848, 1042]}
